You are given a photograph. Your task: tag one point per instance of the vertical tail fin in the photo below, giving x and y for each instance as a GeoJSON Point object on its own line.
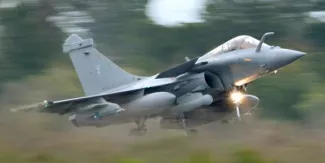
{"type": "Point", "coordinates": [96, 73]}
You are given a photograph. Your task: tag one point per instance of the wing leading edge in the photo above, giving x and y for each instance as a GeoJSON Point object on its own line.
{"type": "Point", "coordinates": [64, 106]}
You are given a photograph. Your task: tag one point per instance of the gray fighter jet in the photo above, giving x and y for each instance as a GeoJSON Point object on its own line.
{"type": "Point", "coordinates": [202, 90]}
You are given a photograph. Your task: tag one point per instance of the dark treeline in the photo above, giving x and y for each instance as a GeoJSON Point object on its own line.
{"type": "Point", "coordinates": [29, 43]}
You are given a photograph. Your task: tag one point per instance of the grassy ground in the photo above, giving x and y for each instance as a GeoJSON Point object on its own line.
{"type": "Point", "coordinates": [254, 142]}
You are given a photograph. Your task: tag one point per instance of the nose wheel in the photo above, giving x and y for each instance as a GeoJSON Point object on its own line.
{"type": "Point", "coordinates": [234, 117]}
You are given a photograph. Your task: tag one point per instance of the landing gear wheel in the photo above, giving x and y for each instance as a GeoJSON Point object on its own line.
{"type": "Point", "coordinates": [187, 131]}
{"type": "Point", "coordinates": [225, 122]}
{"type": "Point", "coordinates": [192, 132]}
{"type": "Point", "coordinates": [138, 132]}
{"type": "Point", "coordinates": [141, 128]}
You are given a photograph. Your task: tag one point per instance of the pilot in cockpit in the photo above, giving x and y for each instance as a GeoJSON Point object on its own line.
{"type": "Point", "coordinates": [239, 42]}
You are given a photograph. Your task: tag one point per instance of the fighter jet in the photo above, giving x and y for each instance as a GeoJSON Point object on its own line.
{"type": "Point", "coordinates": [205, 89]}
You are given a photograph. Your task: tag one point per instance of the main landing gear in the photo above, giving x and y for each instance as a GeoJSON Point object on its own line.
{"type": "Point", "coordinates": [141, 128]}
{"type": "Point", "coordinates": [187, 131]}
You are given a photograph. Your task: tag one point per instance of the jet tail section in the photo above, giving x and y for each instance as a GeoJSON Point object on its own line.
{"type": "Point", "coordinates": [96, 73]}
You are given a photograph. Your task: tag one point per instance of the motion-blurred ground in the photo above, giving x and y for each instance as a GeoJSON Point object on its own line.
{"type": "Point", "coordinates": [24, 139]}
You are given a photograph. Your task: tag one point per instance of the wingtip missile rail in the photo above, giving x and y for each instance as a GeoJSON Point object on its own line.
{"type": "Point", "coordinates": [39, 105]}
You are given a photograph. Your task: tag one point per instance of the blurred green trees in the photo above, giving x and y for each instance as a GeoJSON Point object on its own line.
{"type": "Point", "coordinates": [29, 42]}
{"type": "Point", "coordinates": [122, 30]}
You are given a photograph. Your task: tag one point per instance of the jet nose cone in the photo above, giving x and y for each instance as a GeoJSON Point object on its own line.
{"type": "Point", "coordinates": [286, 56]}
{"type": "Point", "coordinates": [293, 54]}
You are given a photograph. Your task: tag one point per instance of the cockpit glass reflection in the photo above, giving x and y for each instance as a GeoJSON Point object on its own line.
{"type": "Point", "coordinates": [239, 42]}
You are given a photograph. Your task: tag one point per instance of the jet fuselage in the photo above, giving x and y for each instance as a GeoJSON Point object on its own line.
{"type": "Point", "coordinates": [214, 76]}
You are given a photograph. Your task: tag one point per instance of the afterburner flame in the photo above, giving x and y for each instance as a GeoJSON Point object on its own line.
{"type": "Point", "coordinates": [236, 97]}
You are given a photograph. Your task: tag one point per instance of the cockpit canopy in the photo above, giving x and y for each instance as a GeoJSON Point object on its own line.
{"type": "Point", "coordinates": [239, 42]}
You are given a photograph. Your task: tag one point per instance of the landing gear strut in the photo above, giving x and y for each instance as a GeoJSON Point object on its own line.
{"type": "Point", "coordinates": [236, 98]}
{"type": "Point", "coordinates": [236, 115]}
{"type": "Point", "coordinates": [141, 128]}
{"type": "Point", "coordinates": [187, 131]}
